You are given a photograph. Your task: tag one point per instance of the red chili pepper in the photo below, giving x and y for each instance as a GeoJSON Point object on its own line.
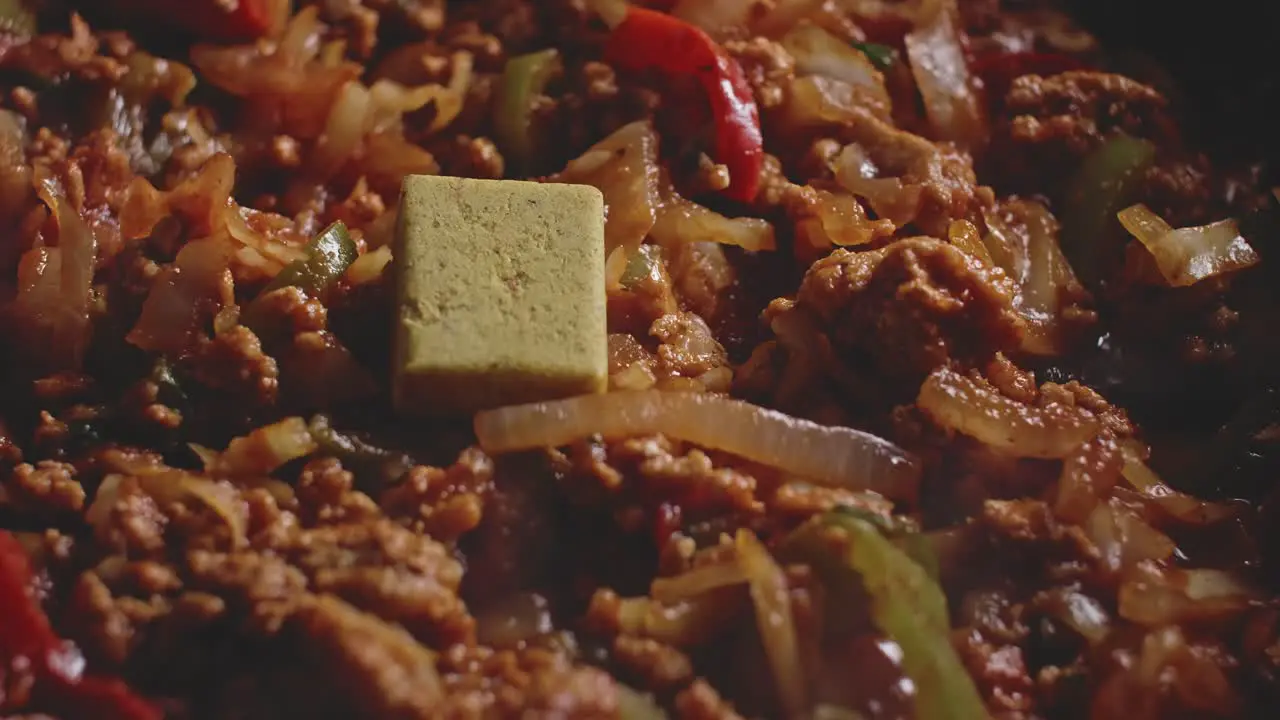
{"type": "Point", "coordinates": [999, 70]}
{"type": "Point", "coordinates": [25, 633]}
{"type": "Point", "coordinates": [215, 20]}
{"type": "Point", "coordinates": [649, 39]}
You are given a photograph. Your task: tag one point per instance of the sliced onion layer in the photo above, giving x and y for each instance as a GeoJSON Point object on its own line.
{"type": "Point", "coordinates": [939, 66]}
{"type": "Point", "coordinates": [978, 410]}
{"type": "Point", "coordinates": [836, 456]}
{"type": "Point", "coordinates": [1188, 255]}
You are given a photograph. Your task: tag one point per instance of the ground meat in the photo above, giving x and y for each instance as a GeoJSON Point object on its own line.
{"type": "Point", "coordinates": [444, 503]}
{"type": "Point", "coordinates": [46, 489]}
{"type": "Point", "coordinates": [1056, 120]}
{"type": "Point", "coordinates": [686, 346]}
{"type": "Point", "coordinates": [369, 667]}
{"type": "Point", "coordinates": [233, 363]}
{"type": "Point", "coordinates": [949, 188]}
{"type": "Point", "coordinates": [911, 307]}
{"type": "Point", "coordinates": [767, 65]}
{"type": "Point", "coordinates": [532, 683]}
{"type": "Point", "coordinates": [1001, 675]}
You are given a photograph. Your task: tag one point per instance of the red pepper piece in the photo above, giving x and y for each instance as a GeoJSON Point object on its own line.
{"type": "Point", "coordinates": [999, 70]}
{"type": "Point", "coordinates": [25, 632]}
{"type": "Point", "coordinates": [215, 20]}
{"type": "Point", "coordinates": [649, 39]}
{"type": "Point", "coordinates": [24, 629]}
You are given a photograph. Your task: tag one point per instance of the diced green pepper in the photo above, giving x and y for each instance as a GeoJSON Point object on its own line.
{"type": "Point", "coordinates": [1099, 189]}
{"type": "Point", "coordinates": [882, 56]}
{"type": "Point", "coordinates": [904, 603]}
{"type": "Point", "coordinates": [523, 79]}
{"type": "Point", "coordinates": [328, 256]}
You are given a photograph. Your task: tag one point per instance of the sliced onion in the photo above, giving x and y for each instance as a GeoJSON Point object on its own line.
{"type": "Point", "coordinates": [167, 485]}
{"type": "Point", "coordinates": [1081, 613]}
{"type": "Point", "coordinates": [774, 621]}
{"type": "Point", "coordinates": [682, 221]}
{"type": "Point", "coordinates": [184, 296]}
{"type": "Point", "coordinates": [964, 235]}
{"type": "Point", "coordinates": [350, 119]}
{"type": "Point", "coordinates": [1123, 539]}
{"type": "Point", "coordinates": [818, 52]}
{"type": "Point", "coordinates": [942, 73]}
{"type": "Point", "coordinates": [832, 218]}
{"type": "Point", "coordinates": [836, 456]}
{"type": "Point", "coordinates": [624, 166]}
{"type": "Point", "coordinates": [1186, 256]}
{"type": "Point", "coordinates": [1156, 597]}
{"type": "Point", "coordinates": [51, 306]}
{"type": "Point", "coordinates": [368, 267]}
{"type": "Point", "coordinates": [1180, 505]}
{"type": "Point", "coordinates": [888, 196]}
{"type": "Point", "coordinates": [978, 410]}
{"type": "Point", "coordinates": [266, 449]}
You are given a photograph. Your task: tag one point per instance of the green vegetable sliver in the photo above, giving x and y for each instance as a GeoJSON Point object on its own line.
{"type": "Point", "coordinates": [882, 56]}
{"type": "Point", "coordinates": [905, 604]}
{"type": "Point", "coordinates": [523, 78]}
{"type": "Point", "coordinates": [328, 256]}
{"type": "Point", "coordinates": [1096, 192]}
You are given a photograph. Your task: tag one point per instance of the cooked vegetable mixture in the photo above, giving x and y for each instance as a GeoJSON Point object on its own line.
{"type": "Point", "coordinates": [941, 381]}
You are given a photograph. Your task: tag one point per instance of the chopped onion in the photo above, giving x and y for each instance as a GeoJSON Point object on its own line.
{"type": "Point", "coordinates": [942, 73]}
{"type": "Point", "coordinates": [624, 166]}
{"type": "Point", "coordinates": [1170, 596]}
{"type": "Point", "coordinates": [964, 235]}
{"type": "Point", "coordinates": [1123, 539]}
{"type": "Point", "coordinates": [1179, 505]}
{"type": "Point", "coordinates": [977, 409]}
{"type": "Point", "coordinates": [817, 102]}
{"type": "Point", "coordinates": [774, 621]}
{"type": "Point", "coordinates": [836, 456]}
{"type": "Point", "coordinates": [825, 218]}
{"type": "Point", "coordinates": [681, 221]}
{"type": "Point", "coordinates": [369, 267]}
{"type": "Point", "coordinates": [266, 449]}
{"type": "Point", "coordinates": [1079, 612]}
{"type": "Point", "coordinates": [888, 196]}
{"type": "Point", "coordinates": [54, 288]}
{"type": "Point", "coordinates": [184, 297]}
{"type": "Point", "coordinates": [1186, 256]}
{"type": "Point", "coordinates": [818, 52]}
{"type": "Point", "coordinates": [168, 485]}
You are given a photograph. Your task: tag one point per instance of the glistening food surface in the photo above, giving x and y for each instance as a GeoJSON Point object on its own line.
{"type": "Point", "coordinates": [941, 369]}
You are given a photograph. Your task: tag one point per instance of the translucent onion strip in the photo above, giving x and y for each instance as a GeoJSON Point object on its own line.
{"type": "Point", "coordinates": [835, 456]}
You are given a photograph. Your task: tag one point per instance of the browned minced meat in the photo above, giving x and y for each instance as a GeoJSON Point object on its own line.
{"type": "Point", "coordinates": [910, 307]}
